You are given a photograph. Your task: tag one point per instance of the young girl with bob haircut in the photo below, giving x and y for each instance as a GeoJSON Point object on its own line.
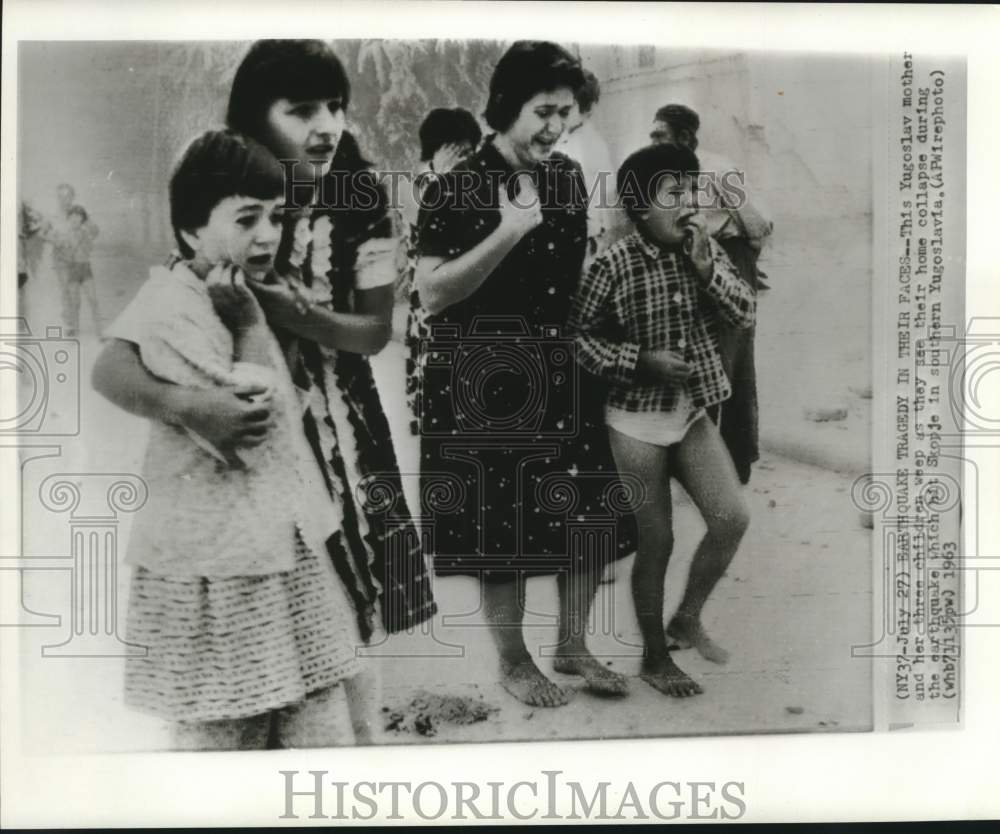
{"type": "Point", "coordinates": [246, 627]}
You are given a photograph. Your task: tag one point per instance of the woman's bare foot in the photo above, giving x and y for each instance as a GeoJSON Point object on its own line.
{"type": "Point", "coordinates": [669, 678]}
{"type": "Point", "coordinates": [685, 633]}
{"type": "Point", "coordinates": [526, 682]}
{"type": "Point", "coordinates": [600, 679]}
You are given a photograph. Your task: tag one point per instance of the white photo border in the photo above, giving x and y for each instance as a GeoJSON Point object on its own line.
{"type": "Point", "coordinates": [867, 776]}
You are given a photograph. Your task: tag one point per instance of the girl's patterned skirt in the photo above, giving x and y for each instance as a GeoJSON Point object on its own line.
{"type": "Point", "coordinates": [238, 646]}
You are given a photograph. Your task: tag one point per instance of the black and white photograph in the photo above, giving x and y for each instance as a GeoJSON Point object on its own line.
{"type": "Point", "coordinates": [377, 392]}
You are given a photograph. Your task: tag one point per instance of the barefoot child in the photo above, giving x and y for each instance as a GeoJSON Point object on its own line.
{"type": "Point", "coordinates": [246, 625]}
{"type": "Point", "coordinates": [642, 322]}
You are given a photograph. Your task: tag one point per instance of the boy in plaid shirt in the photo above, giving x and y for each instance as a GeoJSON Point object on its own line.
{"type": "Point", "coordinates": [643, 320]}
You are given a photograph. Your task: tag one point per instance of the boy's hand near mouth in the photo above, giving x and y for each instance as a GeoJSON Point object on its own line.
{"type": "Point", "coordinates": [696, 245]}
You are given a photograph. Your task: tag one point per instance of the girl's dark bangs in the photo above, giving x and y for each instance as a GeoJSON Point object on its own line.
{"type": "Point", "coordinates": [310, 77]}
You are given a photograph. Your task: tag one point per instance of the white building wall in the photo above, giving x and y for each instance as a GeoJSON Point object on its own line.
{"type": "Point", "coordinates": [800, 125]}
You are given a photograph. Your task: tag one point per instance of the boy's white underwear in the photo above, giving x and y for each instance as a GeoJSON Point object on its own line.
{"type": "Point", "coordinates": [659, 428]}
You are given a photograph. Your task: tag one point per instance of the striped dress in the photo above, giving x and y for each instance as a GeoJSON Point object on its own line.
{"type": "Point", "coordinates": [335, 252]}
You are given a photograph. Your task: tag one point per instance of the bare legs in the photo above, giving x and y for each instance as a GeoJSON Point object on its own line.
{"type": "Point", "coordinates": [706, 471]}
{"type": "Point", "coordinates": [518, 673]}
{"type": "Point", "coordinates": [704, 468]}
{"type": "Point", "coordinates": [88, 289]}
{"type": "Point", "coordinates": [656, 541]}
{"type": "Point", "coordinates": [363, 693]}
{"type": "Point", "coordinates": [576, 596]}
{"type": "Point", "coordinates": [71, 288]}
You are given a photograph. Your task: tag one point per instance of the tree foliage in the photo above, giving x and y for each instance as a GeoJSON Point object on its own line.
{"type": "Point", "coordinates": [394, 84]}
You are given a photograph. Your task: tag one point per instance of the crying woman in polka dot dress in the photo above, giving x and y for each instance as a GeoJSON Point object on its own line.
{"type": "Point", "coordinates": [505, 408]}
{"type": "Point", "coordinates": [515, 463]}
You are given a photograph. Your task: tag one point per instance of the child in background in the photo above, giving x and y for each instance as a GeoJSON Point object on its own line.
{"type": "Point", "coordinates": [72, 244]}
{"type": "Point", "coordinates": [643, 320]}
{"type": "Point", "coordinates": [247, 627]}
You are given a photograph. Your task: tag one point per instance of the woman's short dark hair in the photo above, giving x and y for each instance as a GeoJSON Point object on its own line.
{"type": "Point", "coordinates": [589, 94]}
{"type": "Point", "coordinates": [443, 126]}
{"type": "Point", "coordinates": [216, 165]}
{"type": "Point", "coordinates": [79, 211]}
{"type": "Point", "coordinates": [678, 117]}
{"type": "Point", "coordinates": [274, 69]}
{"type": "Point", "coordinates": [640, 174]}
{"type": "Point", "coordinates": [524, 70]}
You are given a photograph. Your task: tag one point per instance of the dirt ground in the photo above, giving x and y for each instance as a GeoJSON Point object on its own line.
{"type": "Point", "coordinates": [795, 601]}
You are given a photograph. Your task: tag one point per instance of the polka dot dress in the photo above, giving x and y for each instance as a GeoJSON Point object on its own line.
{"type": "Point", "coordinates": [516, 471]}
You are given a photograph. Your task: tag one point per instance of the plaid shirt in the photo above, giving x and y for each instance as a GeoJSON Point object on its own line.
{"type": "Point", "coordinates": [638, 296]}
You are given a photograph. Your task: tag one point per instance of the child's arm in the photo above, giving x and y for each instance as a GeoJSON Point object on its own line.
{"type": "Point", "coordinates": [350, 332]}
{"type": "Point", "coordinates": [251, 358]}
{"type": "Point", "coordinates": [289, 306]}
{"type": "Point", "coordinates": [238, 310]}
{"type": "Point", "coordinates": [376, 273]}
{"type": "Point", "coordinates": [169, 333]}
{"type": "Point", "coordinates": [719, 278]}
{"type": "Point", "coordinates": [224, 416]}
{"type": "Point", "coordinates": [608, 357]}
{"type": "Point", "coordinates": [597, 353]}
